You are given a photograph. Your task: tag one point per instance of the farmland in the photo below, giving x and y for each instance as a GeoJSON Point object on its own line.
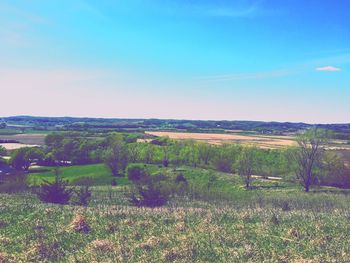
{"type": "Point", "coordinates": [14, 146]}
{"type": "Point", "coordinates": [17, 141]}
{"type": "Point", "coordinates": [26, 138]}
{"type": "Point", "coordinates": [262, 141]}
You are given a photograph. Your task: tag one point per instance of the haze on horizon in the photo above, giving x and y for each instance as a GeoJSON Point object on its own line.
{"type": "Point", "coordinates": [235, 60]}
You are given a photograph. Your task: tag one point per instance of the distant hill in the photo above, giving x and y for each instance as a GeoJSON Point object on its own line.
{"type": "Point", "coordinates": [73, 123]}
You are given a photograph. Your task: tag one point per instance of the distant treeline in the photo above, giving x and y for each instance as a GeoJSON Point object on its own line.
{"type": "Point", "coordinates": [8, 141]}
{"type": "Point", "coordinates": [341, 131]}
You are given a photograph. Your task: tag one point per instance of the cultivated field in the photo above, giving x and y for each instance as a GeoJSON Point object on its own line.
{"type": "Point", "coordinates": [262, 141]}
{"type": "Point", "coordinates": [33, 139]}
{"type": "Point", "coordinates": [14, 146]}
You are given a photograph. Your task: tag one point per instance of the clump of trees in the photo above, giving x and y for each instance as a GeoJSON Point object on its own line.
{"type": "Point", "coordinates": [72, 148]}
{"type": "Point", "coordinates": [22, 158]}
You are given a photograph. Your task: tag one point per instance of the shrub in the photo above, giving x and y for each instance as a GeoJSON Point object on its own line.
{"type": "Point", "coordinates": [181, 185]}
{"type": "Point", "coordinates": [56, 192]}
{"type": "Point", "coordinates": [137, 172]}
{"type": "Point", "coordinates": [180, 179]}
{"type": "Point", "coordinates": [165, 162]}
{"type": "Point", "coordinates": [153, 191]}
{"type": "Point", "coordinates": [82, 196]}
{"type": "Point", "coordinates": [114, 182]}
{"type": "Point", "coordinates": [223, 165]}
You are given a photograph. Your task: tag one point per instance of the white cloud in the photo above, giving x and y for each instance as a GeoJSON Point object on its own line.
{"type": "Point", "coordinates": [328, 68]}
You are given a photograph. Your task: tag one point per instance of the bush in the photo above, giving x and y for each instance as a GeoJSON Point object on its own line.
{"type": "Point", "coordinates": [114, 182]}
{"type": "Point", "coordinates": [181, 185]}
{"type": "Point", "coordinates": [56, 192]}
{"type": "Point", "coordinates": [82, 196]}
{"type": "Point", "coordinates": [137, 172]}
{"type": "Point", "coordinates": [13, 183]}
{"type": "Point", "coordinates": [223, 165]}
{"type": "Point", "coordinates": [180, 179]}
{"type": "Point", "coordinates": [153, 191]}
{"type": "Point", "coordinates": [165, 162]}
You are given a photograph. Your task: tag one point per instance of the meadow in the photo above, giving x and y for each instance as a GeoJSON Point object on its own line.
{"type": "Point", "coordinates": [274, 222]}
{"type": "Point", "coordinates": [269, 227]}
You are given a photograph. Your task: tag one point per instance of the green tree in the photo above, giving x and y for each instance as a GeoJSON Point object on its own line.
{"type": "Point", "coordinates": [134, 152]}
{"type": "Point", "coordinates": [116, 156]}
{"type": "Point", "coordinates": [148, 153]}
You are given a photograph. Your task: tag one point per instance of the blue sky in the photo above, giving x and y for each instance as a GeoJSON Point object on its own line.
{"type": "Point", "coordinates": [198, 59]}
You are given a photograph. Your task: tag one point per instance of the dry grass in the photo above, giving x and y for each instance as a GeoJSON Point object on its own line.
{"type": "Point", "coordinates": [15, 146]}
{"type": "Point", "coordinates": [262, 141]}
{"type": "Point", "coordinates": [218, 233]}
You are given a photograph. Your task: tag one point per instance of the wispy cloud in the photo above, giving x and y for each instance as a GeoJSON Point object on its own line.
{"type": "Point", "coordinates": [328, 68]}
{"type": "Point", "coordinates": [244, 9]}
{"type": "Point", "coordinates": [252, 75]}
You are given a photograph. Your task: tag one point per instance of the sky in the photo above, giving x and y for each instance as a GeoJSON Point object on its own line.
{"type": "Point", "coordinates": [267, 60]}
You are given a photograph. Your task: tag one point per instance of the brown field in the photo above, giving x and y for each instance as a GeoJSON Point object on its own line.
{"type": "Point", "coordinates": [262, 141]}
{"type": "Point", "coordinates": [15, 146]}
{"type": "Point", "coordinates": [31, 139]}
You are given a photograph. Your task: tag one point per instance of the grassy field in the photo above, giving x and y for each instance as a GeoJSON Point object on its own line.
{"type": "Point", "coordinates": [263, 231]}
{"type": "Point", "coordinates": [274, 222]}
{"type": "Point", "coordinates": [97, 173]}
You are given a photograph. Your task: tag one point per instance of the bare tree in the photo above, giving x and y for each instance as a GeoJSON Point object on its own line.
{"type": "Point", "coordinates": [309, 155]}
{"type": "Point", "coordinates": [205, 152]}
{"type": "Point", "coordinates": [246, 164]}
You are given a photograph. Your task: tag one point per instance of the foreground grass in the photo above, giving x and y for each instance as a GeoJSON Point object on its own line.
{"type": "Point", "coordinates": [30, 231]}
{"type": "Point", "coordinates": [275, 222]}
